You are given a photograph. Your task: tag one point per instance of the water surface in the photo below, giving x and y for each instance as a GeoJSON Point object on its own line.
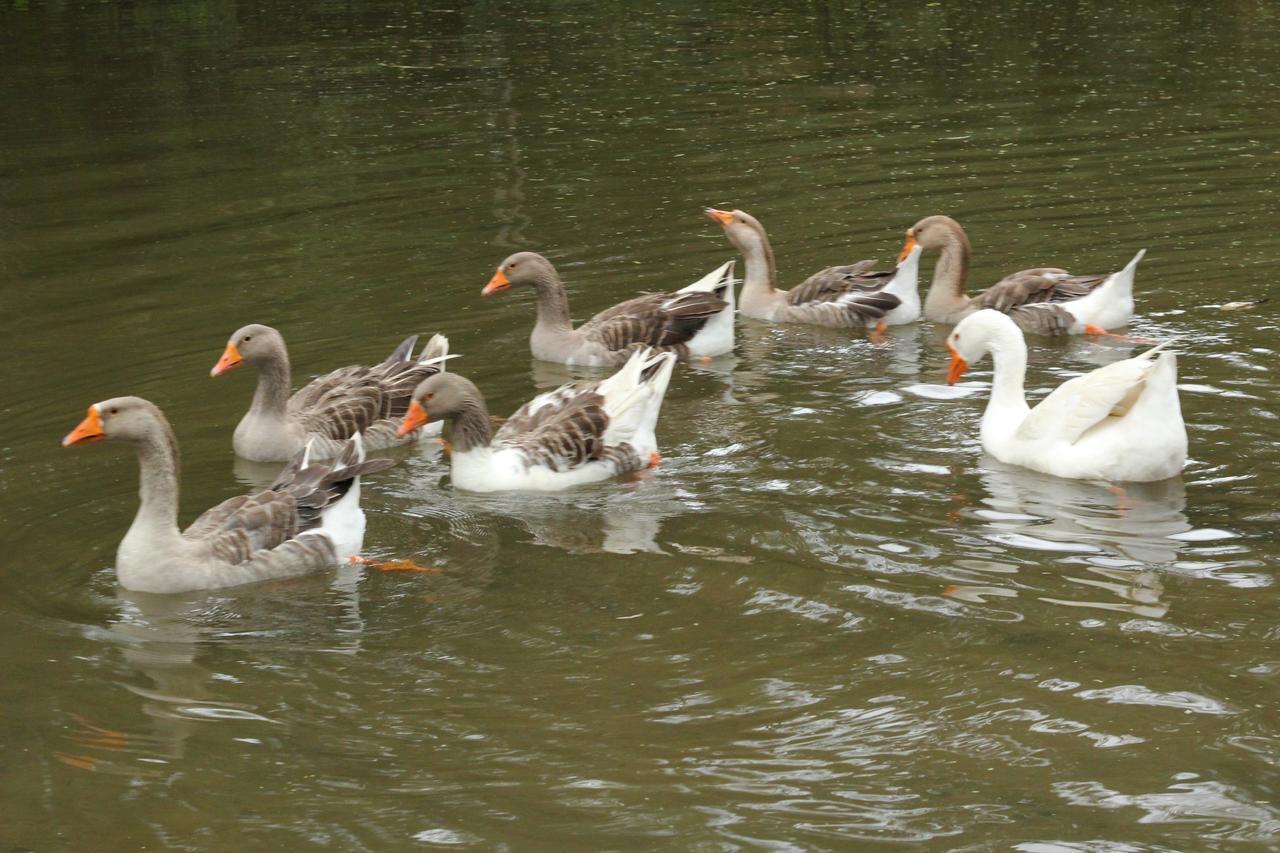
{"type": "Point", "coordinates": [827, 619]}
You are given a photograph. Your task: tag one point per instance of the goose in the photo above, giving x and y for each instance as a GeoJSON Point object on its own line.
{"type": "Point", "coordinates": [841, 297]}
{"type": "Point", "coordinates": [329, 409]}
{"type": "Point", "coordinates": [309, 519]}
{"type": "Point", "coordinates": [1121, 422]}
{"type": "Point", "coordinates": [1042, 301]}
{"type": "Point", "coordinates": [694, 322]}
{"type": "Point", "coordinates": [575, 434]}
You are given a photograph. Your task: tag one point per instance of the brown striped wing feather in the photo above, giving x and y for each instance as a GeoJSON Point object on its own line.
{"type": "Point", "coordinates": [834, 282]}
{"type": "Point", "coordinates": [564, 430]}
{"type": "Point", "coordinates": [1043, 284]}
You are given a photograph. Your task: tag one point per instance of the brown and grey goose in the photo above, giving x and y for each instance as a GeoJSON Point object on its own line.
{"type": "Point", "coordinates": [330, 409]}
{"type": "Point", "coordinates": [579, 433]}
{"type": "Point", "coordinates": [693, 322]}
{"type": "Point", "coordinates": [1042, 301]}
{"type": "Point", "coordinates": [854, 295]}
{"type": "Point", "coordinates": [309, 519]}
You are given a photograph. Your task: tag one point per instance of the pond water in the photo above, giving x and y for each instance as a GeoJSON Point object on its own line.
{"type": "Point", "coordinates": [827, 619]}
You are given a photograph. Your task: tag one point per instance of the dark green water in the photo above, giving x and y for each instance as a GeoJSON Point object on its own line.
{"type": "Point", "coordinates": [827, 620]}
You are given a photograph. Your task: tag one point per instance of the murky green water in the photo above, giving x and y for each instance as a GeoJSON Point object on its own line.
{"type": "Point", "coordinates": [827, 620]}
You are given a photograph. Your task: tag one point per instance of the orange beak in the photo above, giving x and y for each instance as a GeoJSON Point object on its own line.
{"type": "Point", "coordinates": [414, 418]}
{"type": "Point", "coordinates": [724, 217]}
{"type": "Point", "coordinates": [230, 361]}
{"type": "Point", "coordinates": [498, 282]}
{"type": "Point", "coordinates": [957, 367]}
{"type": "Point", "coordinates": [907, 246]}
{"type": "Point", "coordinates": [90, 429]}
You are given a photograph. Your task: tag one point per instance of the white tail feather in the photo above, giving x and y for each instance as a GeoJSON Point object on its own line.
{"type": "Point", "coordinates": [713, 279]}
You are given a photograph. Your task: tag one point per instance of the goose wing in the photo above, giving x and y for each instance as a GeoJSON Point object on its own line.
{"type": "Point", "coordinates": [1079, 404]}
{"type": "Point", "coordinates": [834, 282]}
{"type": "Point", "coordinates": [561, 429]}
{"type": "Point", "coordinates": [1034, 286]}
{"type": "Point", "coordinates": [237, 528]}
{"type": "Point", "coordinates": [350, 399]}
{"type": "Point", "coordinates": [654, 320]}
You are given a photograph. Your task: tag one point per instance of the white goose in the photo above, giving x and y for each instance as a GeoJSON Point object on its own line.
{"type": "Point", "coordinates": [573, 435]}
{"type": "Point", "coordinates": [1121, 422]}
{"type": "Point", "coordinates": [309, 519]}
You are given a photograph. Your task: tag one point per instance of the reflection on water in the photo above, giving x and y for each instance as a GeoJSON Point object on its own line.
{"type": "Point", "coordinates": [826, 620]}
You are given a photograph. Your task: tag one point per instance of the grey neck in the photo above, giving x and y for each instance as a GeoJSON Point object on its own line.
{"type": "Point", "coordinates": [157, 517]}
{"type": "Point", "coordinates": [760, 281]}
{"type": "Point", "coordinates": [471, 425]}
{"type": "Point", "coordinates": [946, 298]}
{"type": "Point", "coordinates": [553, 304]}
{"type": "Point", "coordinates": [271, 399]}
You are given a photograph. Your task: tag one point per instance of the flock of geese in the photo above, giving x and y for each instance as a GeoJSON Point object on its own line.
{"type": "Point", "coordinates": [1121, 422]}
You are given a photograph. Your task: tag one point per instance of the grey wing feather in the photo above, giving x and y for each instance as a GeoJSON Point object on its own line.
{"type": "Point", "coordinates": [1033, 286]}
{"type": "Point", "coordinates": [565, 431]}
{"type": "Point", "coordinates": [352, 399]}
{"type": "Point", "coordinates": [834, 282]}
{"type": "Point", "coordinates": [1043, 318]}
{"type": "Point", "coordinates": [667, 321]}
{"type": "Point", "coordinates": [237, 529]}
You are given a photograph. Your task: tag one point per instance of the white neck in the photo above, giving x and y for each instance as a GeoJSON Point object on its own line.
{"type": "Point", "coordinates": [1007, 407]}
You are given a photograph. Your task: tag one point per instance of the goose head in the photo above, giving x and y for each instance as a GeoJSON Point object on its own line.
{"type": "Point", "coordinates": [254, 344]}
{"type": "Point", "coordinates": [130, 419]}
{"type": "Point", "coordinates": [743, 230]}
{"type": "Point", "coordinates": [522, 268]}
{"type": "Point", "coordinates": [438, 397]}
{"type": "Point", "coordinates": [975, 336]}
{"type": "Point", "coordinates": [932, 232]}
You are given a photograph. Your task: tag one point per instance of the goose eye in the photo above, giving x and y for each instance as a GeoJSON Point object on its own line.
{"type": "Point", "coordinates": [511, 266]}
{"type": "Point", "coordinates": [113, 411]}
{"type": "Point", "coordinates": [429, 397]}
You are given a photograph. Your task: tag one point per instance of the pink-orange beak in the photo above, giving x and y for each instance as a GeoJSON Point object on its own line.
{"type": "Point", "coordinates": [89, 429]}
{"type": "Point", "coordinates": [957, 367]}
{"type": "Point", "coordinates": [724, 217]}
{"type": "Point", "coordinates": [498, 282]}
{"type": "Point", "coordinates": [907, 246]}
{"type": "Point", "coordinates": [414, 418]}
{"type": "Point", "coordinates": [230, 361]}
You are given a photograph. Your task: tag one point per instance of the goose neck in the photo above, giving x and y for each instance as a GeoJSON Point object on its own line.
{"type": "Point", "coordinates": [271, 398]}
{"type": "Point", "coordinates": [471, 425]}
{"type": "Point", "coordinates": [157, 516]}
{"type": "Point", "coordinates": [1009, 372]}
{"type": "Point", "coordinates": [760, 280]}
{"type": "Point", "coordinates": [946, 298]}
{"type": "Point", "coordinates": [553, 304]}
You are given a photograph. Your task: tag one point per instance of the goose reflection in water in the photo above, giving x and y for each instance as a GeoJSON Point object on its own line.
{"type": "Point", "coordinates": [1120, 535]}
{"type": "Point", "coordinates": [163, 638]}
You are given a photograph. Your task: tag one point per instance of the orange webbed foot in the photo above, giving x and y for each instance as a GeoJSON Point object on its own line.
{"type": "Point", "coordinates": [1096, 331]}
{"type": "Point", "coordinates": [877, 335]}
{"type": "Point", "coordinates": [396, 565]}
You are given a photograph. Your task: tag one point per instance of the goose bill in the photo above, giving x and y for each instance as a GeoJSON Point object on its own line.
{"type": "Point", "coordinates": [724, 217]}
{"type": "Point", "coordinates": [230, 361]}
{"type": "Point", "coordinates": [89, 429]}
{"type": "Point", "coordinates": [414, 418]}
{"type": "Point", "coordinates": [498, 282]}
{"type": "Point", "coordinates": [907, 246]}
{"type": "Point", "coordinates": [957, 367]}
